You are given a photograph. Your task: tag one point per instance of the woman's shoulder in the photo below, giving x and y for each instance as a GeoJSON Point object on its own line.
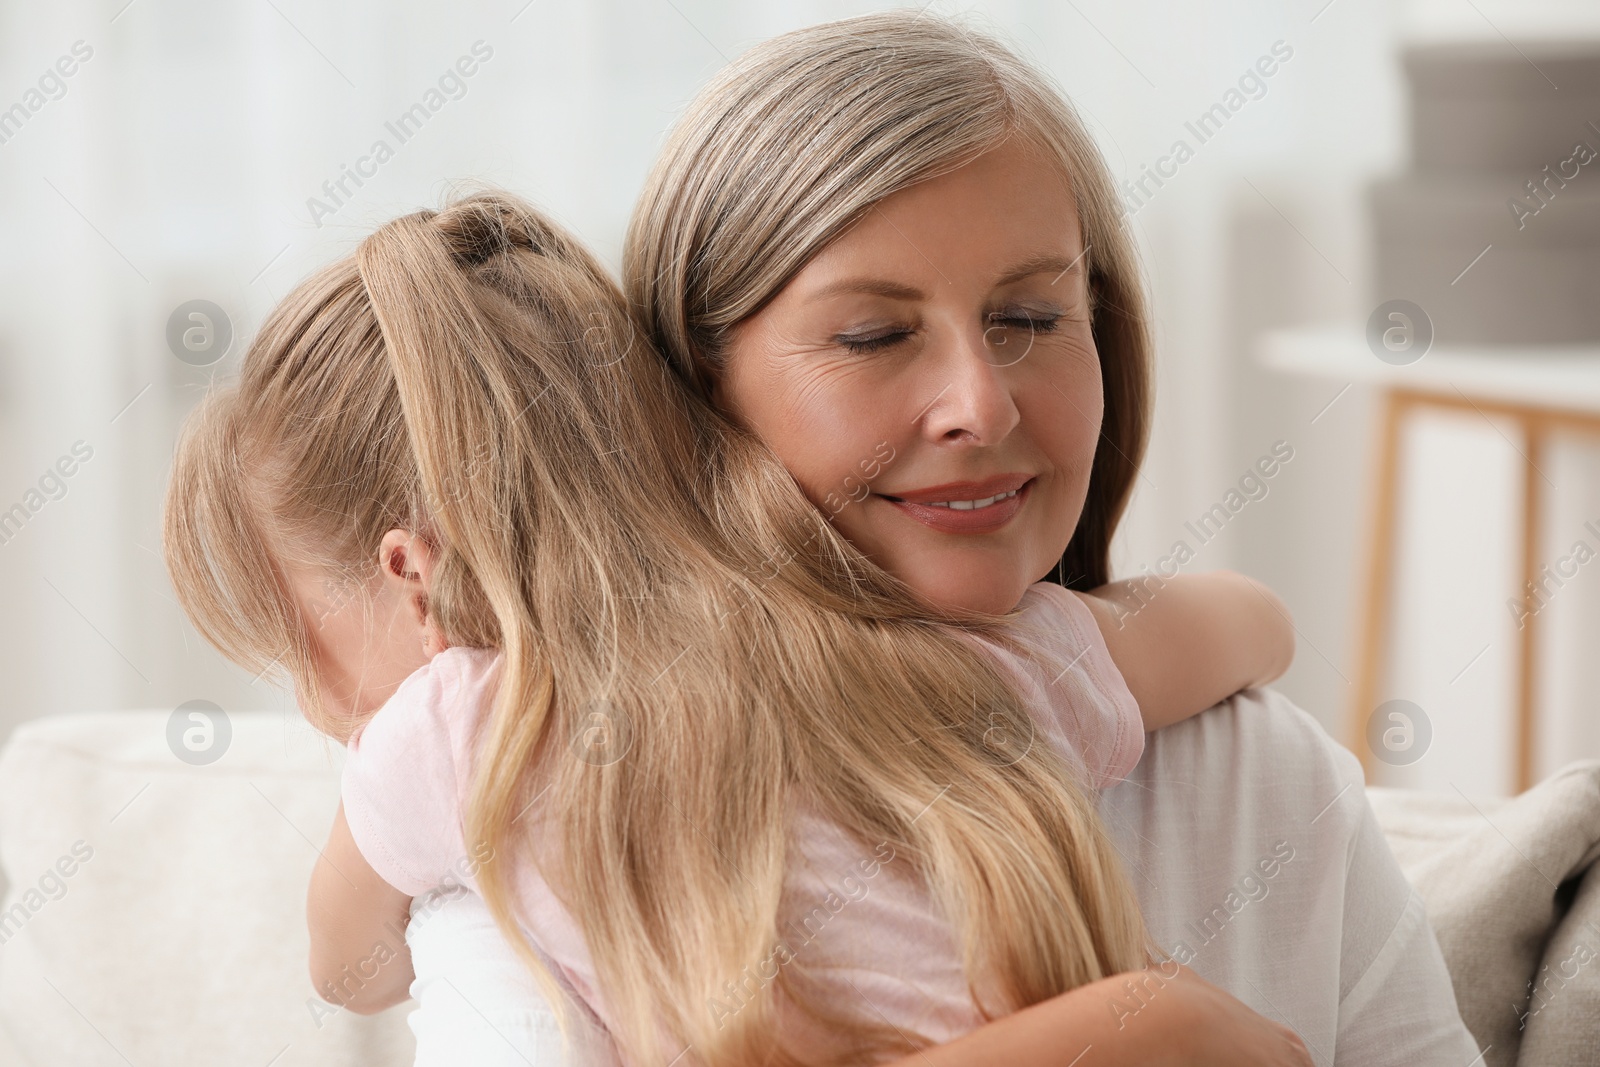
{"type": "Point", "coordinates": [1250, 829]}
{"type": "Point", "coordinates": [1260, 755]}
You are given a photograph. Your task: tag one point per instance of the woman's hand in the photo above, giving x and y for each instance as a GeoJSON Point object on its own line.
{"type": "Point", "coordinates": [1160, 1017]}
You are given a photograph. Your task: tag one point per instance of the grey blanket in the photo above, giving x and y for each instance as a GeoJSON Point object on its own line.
{"type": "Point", "coordinates": [1514, 899]}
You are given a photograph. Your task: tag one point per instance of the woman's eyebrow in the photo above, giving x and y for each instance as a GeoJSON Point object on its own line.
{"type": "Point", "coordinates": [871, 287]}
{"type": "Point", "coordinates": [1042, 263]}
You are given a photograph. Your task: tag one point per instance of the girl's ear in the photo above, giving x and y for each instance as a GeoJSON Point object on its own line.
{"type": "Point", "coordinates": [407, 559]}
{"type": "Point", "coordinates": [407, 562]}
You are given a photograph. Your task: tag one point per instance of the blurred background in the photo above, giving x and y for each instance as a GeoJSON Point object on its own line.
{"type": "Point", "coordinates": [160, 152]}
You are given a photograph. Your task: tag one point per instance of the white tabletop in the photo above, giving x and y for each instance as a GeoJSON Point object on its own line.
{"type": "Point", "coordinates": [1563, 378]}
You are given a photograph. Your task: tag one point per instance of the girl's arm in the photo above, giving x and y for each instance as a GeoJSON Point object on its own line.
{"type": "Point", "coordinates": [1142, 1019]}
{"type": "Point", "coordinates": [359, 957]}
{"type": "Point", "coordinates": [1188, 642]}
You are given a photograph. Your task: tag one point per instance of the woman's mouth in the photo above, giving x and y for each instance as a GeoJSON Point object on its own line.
{"type": "Point", "coordinates": [969, 505]}
{"type": "Point", "coordinates": [959, 508]}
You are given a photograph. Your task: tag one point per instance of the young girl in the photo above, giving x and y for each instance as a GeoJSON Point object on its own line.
{"type": "Point", "coordinates": [600, 660]}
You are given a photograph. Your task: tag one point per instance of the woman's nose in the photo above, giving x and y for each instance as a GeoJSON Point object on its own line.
{"type": "Point", "coordinates": [972, 387]}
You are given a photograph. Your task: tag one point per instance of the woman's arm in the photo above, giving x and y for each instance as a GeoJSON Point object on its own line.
{"type": "Point", "coordinates": [359, 957]}
{"type": "Point", "coordinates": [1142, 1019]}
{"type": "Point", "coordinates": [1188, 642]}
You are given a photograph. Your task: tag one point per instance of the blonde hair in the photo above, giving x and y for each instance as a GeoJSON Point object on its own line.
{"type": "Point", "coordinates": [801, 135]}
{"type": "Point", "coordinates": [627, 550]}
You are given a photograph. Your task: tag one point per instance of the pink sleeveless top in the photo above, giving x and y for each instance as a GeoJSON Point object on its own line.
{"type": "Point", "coordinates": [854, 914]}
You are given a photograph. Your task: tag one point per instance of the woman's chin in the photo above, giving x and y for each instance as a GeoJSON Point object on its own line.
{"type": "Point", "coordinates": [955, 590]}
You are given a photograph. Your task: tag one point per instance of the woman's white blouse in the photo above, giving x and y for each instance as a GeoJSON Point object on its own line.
{"type": "Point", "coordinates": [1260, 865]}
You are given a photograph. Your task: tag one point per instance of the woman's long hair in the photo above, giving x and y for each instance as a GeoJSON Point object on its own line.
{"type": "Point", "coordinates": [801, 135]}
{"type": "Point", "coordinates": [647, 571]}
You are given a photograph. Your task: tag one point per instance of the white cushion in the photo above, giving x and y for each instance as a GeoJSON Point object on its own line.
{"type": "Point", "coordinates": [181, 939]}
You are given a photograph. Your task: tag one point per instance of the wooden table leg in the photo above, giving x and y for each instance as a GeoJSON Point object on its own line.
{"type": "Point", "coordinates": [1380, 567]}
{"type": "Point", "coordinates": [1536, 425]}
{"type": "Point", "coordinates": [1532, 544]}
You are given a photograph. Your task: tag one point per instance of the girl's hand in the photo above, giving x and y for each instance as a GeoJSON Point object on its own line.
{"type": "Point", "coordinates": [1160, 1017]}
{"type": "Point", "coordinates": [359, 956]}
{"type": "Point", "coordinates": [1228, 1033]}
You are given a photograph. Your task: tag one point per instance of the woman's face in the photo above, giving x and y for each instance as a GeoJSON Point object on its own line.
{"type": "Point", "coordinates": [931, 382]}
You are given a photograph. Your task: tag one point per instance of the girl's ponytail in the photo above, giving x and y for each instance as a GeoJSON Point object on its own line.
{"type": "Point", "coordinates": [468, 301]}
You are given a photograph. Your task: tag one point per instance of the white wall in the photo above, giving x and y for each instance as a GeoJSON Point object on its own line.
{"type": "Point", "coordinates": [179, 162]}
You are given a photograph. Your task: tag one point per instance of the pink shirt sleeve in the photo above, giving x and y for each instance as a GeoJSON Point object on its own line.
{"type": "Point", "coordinates": [1078, 697]}
{"type": "Point", "coordinates": [407, 772]}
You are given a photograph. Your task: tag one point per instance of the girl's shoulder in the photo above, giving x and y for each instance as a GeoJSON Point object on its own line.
{"type": "Point", "coordinates": [405, 777]}
{"type": "Point", "coordinates": [440, 701]}
{"type": "Point", "coordinates": [462, 668]}
{"type": "Point", "coordinates": [1055, 619]}
{"type": "Point", "coordinates": [456, 671]}
{"type": "Point", "coordinates": [1048, 596]}
{"type": "Point", "coordinates": [1071, 683]}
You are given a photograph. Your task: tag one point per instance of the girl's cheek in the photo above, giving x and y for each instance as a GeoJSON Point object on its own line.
{"type": "Point", "coordinates": [336, 710]}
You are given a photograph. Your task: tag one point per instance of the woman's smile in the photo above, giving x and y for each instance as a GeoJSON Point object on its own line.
{"type": "Point", "coordinates": [979, 507]}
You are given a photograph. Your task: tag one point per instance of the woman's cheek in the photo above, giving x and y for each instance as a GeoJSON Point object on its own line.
{"type": "Point", "coordinates": [837, 485]}
{"type": "Point", "coordinates": [838, 443]}
{"type": "Point", "coordinates": [1066, 418]}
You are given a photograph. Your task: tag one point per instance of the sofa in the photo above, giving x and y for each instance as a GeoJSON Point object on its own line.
{"type": "Point", "coordinates": [155, 906]}
{"type": "Point", "coordinates": [179, 936]}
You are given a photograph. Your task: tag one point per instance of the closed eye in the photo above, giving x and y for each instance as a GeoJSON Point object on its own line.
{"type": "Point", "coordinates": [875, 343]}
{"type": "Point", "coordinates": [1035, 323]}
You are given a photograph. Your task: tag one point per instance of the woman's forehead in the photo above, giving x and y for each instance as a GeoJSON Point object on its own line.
{"type": "Point", "coordinates": [1004, 216]}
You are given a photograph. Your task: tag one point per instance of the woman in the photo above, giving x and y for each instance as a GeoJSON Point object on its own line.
{"type": "Point", "coordinates": [861, 231]}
